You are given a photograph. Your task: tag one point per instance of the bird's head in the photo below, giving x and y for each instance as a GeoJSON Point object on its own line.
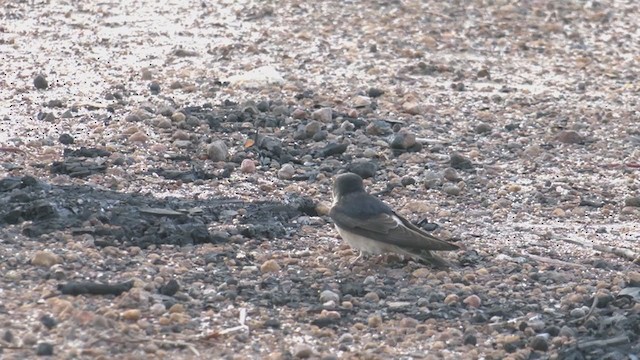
{"type": "Point", "coordinates": [345, 184]}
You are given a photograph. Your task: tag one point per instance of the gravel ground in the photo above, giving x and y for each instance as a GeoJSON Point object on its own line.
{"type": "Point", "coordinates": [166, 169]}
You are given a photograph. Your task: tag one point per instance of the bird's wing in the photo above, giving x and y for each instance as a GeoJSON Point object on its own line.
{"type": "Point", "coordinates": [389, 228]}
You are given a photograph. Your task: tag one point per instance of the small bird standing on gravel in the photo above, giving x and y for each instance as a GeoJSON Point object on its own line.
{"type": "Point", "coordinates": [369, 225]}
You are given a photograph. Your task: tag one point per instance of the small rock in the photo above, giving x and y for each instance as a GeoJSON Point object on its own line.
{"type": "Point", "coordinates": [451, 174]}
{"type": "Point", "coordinates": [345, 338]}
{"type": "Point", "coordinates": [403, 140]}
{"type": "Point", "coordinates": [469, 339]}
{"type": "Point", "coordinates": [154, 87]}
{"type": "Point", "coordinates": [634, 279]}
{"type": "Point", "coordinates": [217, 151]}
{"type": "Point", "coordinates": [248, 166]}
{"type": "Point", "coordinates": [483, 73]}
{"type": "Point", "coordinates": [577, 313]}
{"type": "Point", "coordinates": [532, 151]}
{"type": "Point", "coordinates": [451, 299]}
{"type": "Point", "coordinates": [374, 321]}
{"type": "Point", "coordinates": [44, 349]}
{"type": "Point", "coordinates": [569, 137]}
{"type": "Point", "coordinates": [408, 323]}
{"type": "Point", "coordinates": [407, 180]}
{"type": "Point", "coordinates": [302, 351]}
{"type": "Point", "coordinates": [178, 117]}
{"type": "Point", "coordinates": [40, 82]}
{"type": "Point", "coordinates": [286, 172]}
{"type": "Point", "coordinates": [372, 297]}
{"type": "Point", "coordinates": [66, 139]}
{"type": "Point", "coordinates": [378, 128]}
{"type": "Point", "coordinates": [633, 201]}
{"type": "Point", "coordinates": [138, 137]}
{"type": "Point", "coordinates": [359, 102]}
{"type": "Point", "coordinates": [131, 314]}
{"type": "Point", "coordinates": [539, 343]}
{"type": "Point", "coordinates": [158, 309]}
{"type": "Point", "coordinates": [364, 168]}
{"type": "Point", "coordinates": [567, 332]}
{"type": "Point", "coordinates": [312, 128]}
{"type": "Point", "coordinates": [472, 301]}
{"type": "Point", "coordinates": [457, 161]}
{"type": "Point", "coordinates": [375, 92]}
{"type": "Point", "coordinates": [45, 258]}
{"type": "Point", "coordinates": [299, 114]}
{"type": "Point", "coordinates": [413, 108]}
{"type": "Point", "coordinates": [422, 272]}
{"type": "Point", "coordinates": [48, 321]}
{"type": "Point", "coordinates": [451, 190]}
{"type": "Point", "coordinates": [482, 128]}
{"type": "Point", "coordinates": [328, 295]}
{"type": "Point", "coordinates": [324, 115]}
{"type": "Point", "coordinates": [270, 266]}
{"type": "Point", "coordinates": [432, 180]}
{"type": "Point", "coordinates": [176, 309]}
{"type": "Point", "coordinates": [558, 212]}
{"type": "Point", "coordinates": [369, 280]}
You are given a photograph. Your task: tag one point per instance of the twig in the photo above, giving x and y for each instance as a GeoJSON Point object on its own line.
{"type": "Point", "coordinates": [242, 318]}
{"type": "Point", "coordinates": [603, 343]}
{"type": "Point", "coordinates": [552, 261]}
{"type": "Point", "coordinates": [593, 307]}
{"type": "Point", "coordinates": [621, 252]}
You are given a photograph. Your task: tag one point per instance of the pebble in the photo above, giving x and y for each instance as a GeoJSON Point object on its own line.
{"type": "Point", "coordinates": [567, 332]}
{"type": "Point", "coordinates": [451, 299]}
{"type": "Point", "coordinates": [328, 295]}
{"type": "Point", "coordinates": [217, 151]}
{"type": "Point", "coordinates": [158, 309]}
{"type": "Point", "coordinates": [324, 115]}
{"type": "Point", "coordinates": [403, 140]}
{"type": "Point", "coordinates": [369, 280]}
{"type": "Point", "coordinates": [176, 309]}
{"type": "Point", "coordinates": [138, 137]}
{"type": "Point", "coordinates": [286, 172]}
{"type": "Point", "coordinates": [66, 139]}
{"type": "Point", "coordinates": [482, 128]}
{"type": "Point", "coordinates": [374, 321]}
{"type": "Point", "coordinates": [40, 82]}
{"type": "Point", "coordinates": [312, 128]}
{"type": "Point", "coordinates": [577, 313]}
{"type": "Point", "coordinates": [44, 349]}
{"type": "Point", "coordinates": [408, 323]}
{"type": "Point", "coordinates": [457, 161]}
{"type": "Point", "coordinates": [375, 92]}
{"type": "Point", "coordinates": [451, 174]}
{"type": "Point", "coordinates": [131, 314]}
{"type": "Point", "coordinates": [178, 117]}
{"type": "Point", "coordinates": [345, 338]}
{"type": "Point", "coordinates": [633, 279]}
{"type": "Point", "coordinates": [364, 168]}
{"type": "Point", "coordinates": [372, 297]}
{"type": "Point", "coordinates": [378, 128]}
{"type": "Point", "coordinates": [45, 258]}
{"type": "Point", "coordinates": [422, 272]}
{"type": "Point", "coordinates": [302, 351]}
{"type": "Point", "coordinates": [569, 137]}
{"type": "Point", "coordinates": [451, 190]}
{"type": "Point", "coordinates": [269, 266]}
{"type": "Point", "coordinates": [633, 201]}
{"type": "Point", "coordinates": [413, 108]}
{"type": "Point", "coordinates": [540, 342]}
{"type": "Point", "coordinates": [248, 166]}
{"type": "Point", "coordinates": [472, 301]}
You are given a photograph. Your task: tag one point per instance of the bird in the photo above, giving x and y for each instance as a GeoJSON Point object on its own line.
{"type": "Point", "coordinates": [369, 225]}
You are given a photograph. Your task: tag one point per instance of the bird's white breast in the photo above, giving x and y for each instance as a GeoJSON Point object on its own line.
{"type": "Point", "coordinates": [364, 243]}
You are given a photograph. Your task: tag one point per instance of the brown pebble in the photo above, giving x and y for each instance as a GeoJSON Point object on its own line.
{"type": "Point", "coordinates": [45, 258]}
{"type": "Point", "coordinates": [421, 273]}
{"type": "Point", "coordinates": [374, 321]}
{"type": "Point", "coordinates": [131, 314]}
{"type": "Point", "coordinates": [472, 301]}
{"type": "Point", "coordinates": [569, 137]}
{"type": "Point", "coordinates": [451, 299]}
{"type": "Point", "coordinates": [248, 166]}
{"type": "Point", "coordinates": [138, 137]}
{"type": "Point", "coordinates": [176, 308]}
{"type": "Point", "coordinates": [269, 266]}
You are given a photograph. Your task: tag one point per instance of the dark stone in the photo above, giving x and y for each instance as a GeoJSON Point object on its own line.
{"type": "Point", "coordinates": [66, 139]}
{"type": "Point", "coordinates": [364, 168]}
{"type": "Point", "coordinates": [375, 92]}
{"type": "Point", "coordinates": [457, 161]}
{"type": "Point", "coordinates": [44, 349]}
{"type": "Point", "coordinates": [170, 288]}
{"type": "Point", "coordinates": [332, 149]}
{"type": "Point", "coordinates": [48, 321]}
{"type": "Point", "coordinates": [40, 82]}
